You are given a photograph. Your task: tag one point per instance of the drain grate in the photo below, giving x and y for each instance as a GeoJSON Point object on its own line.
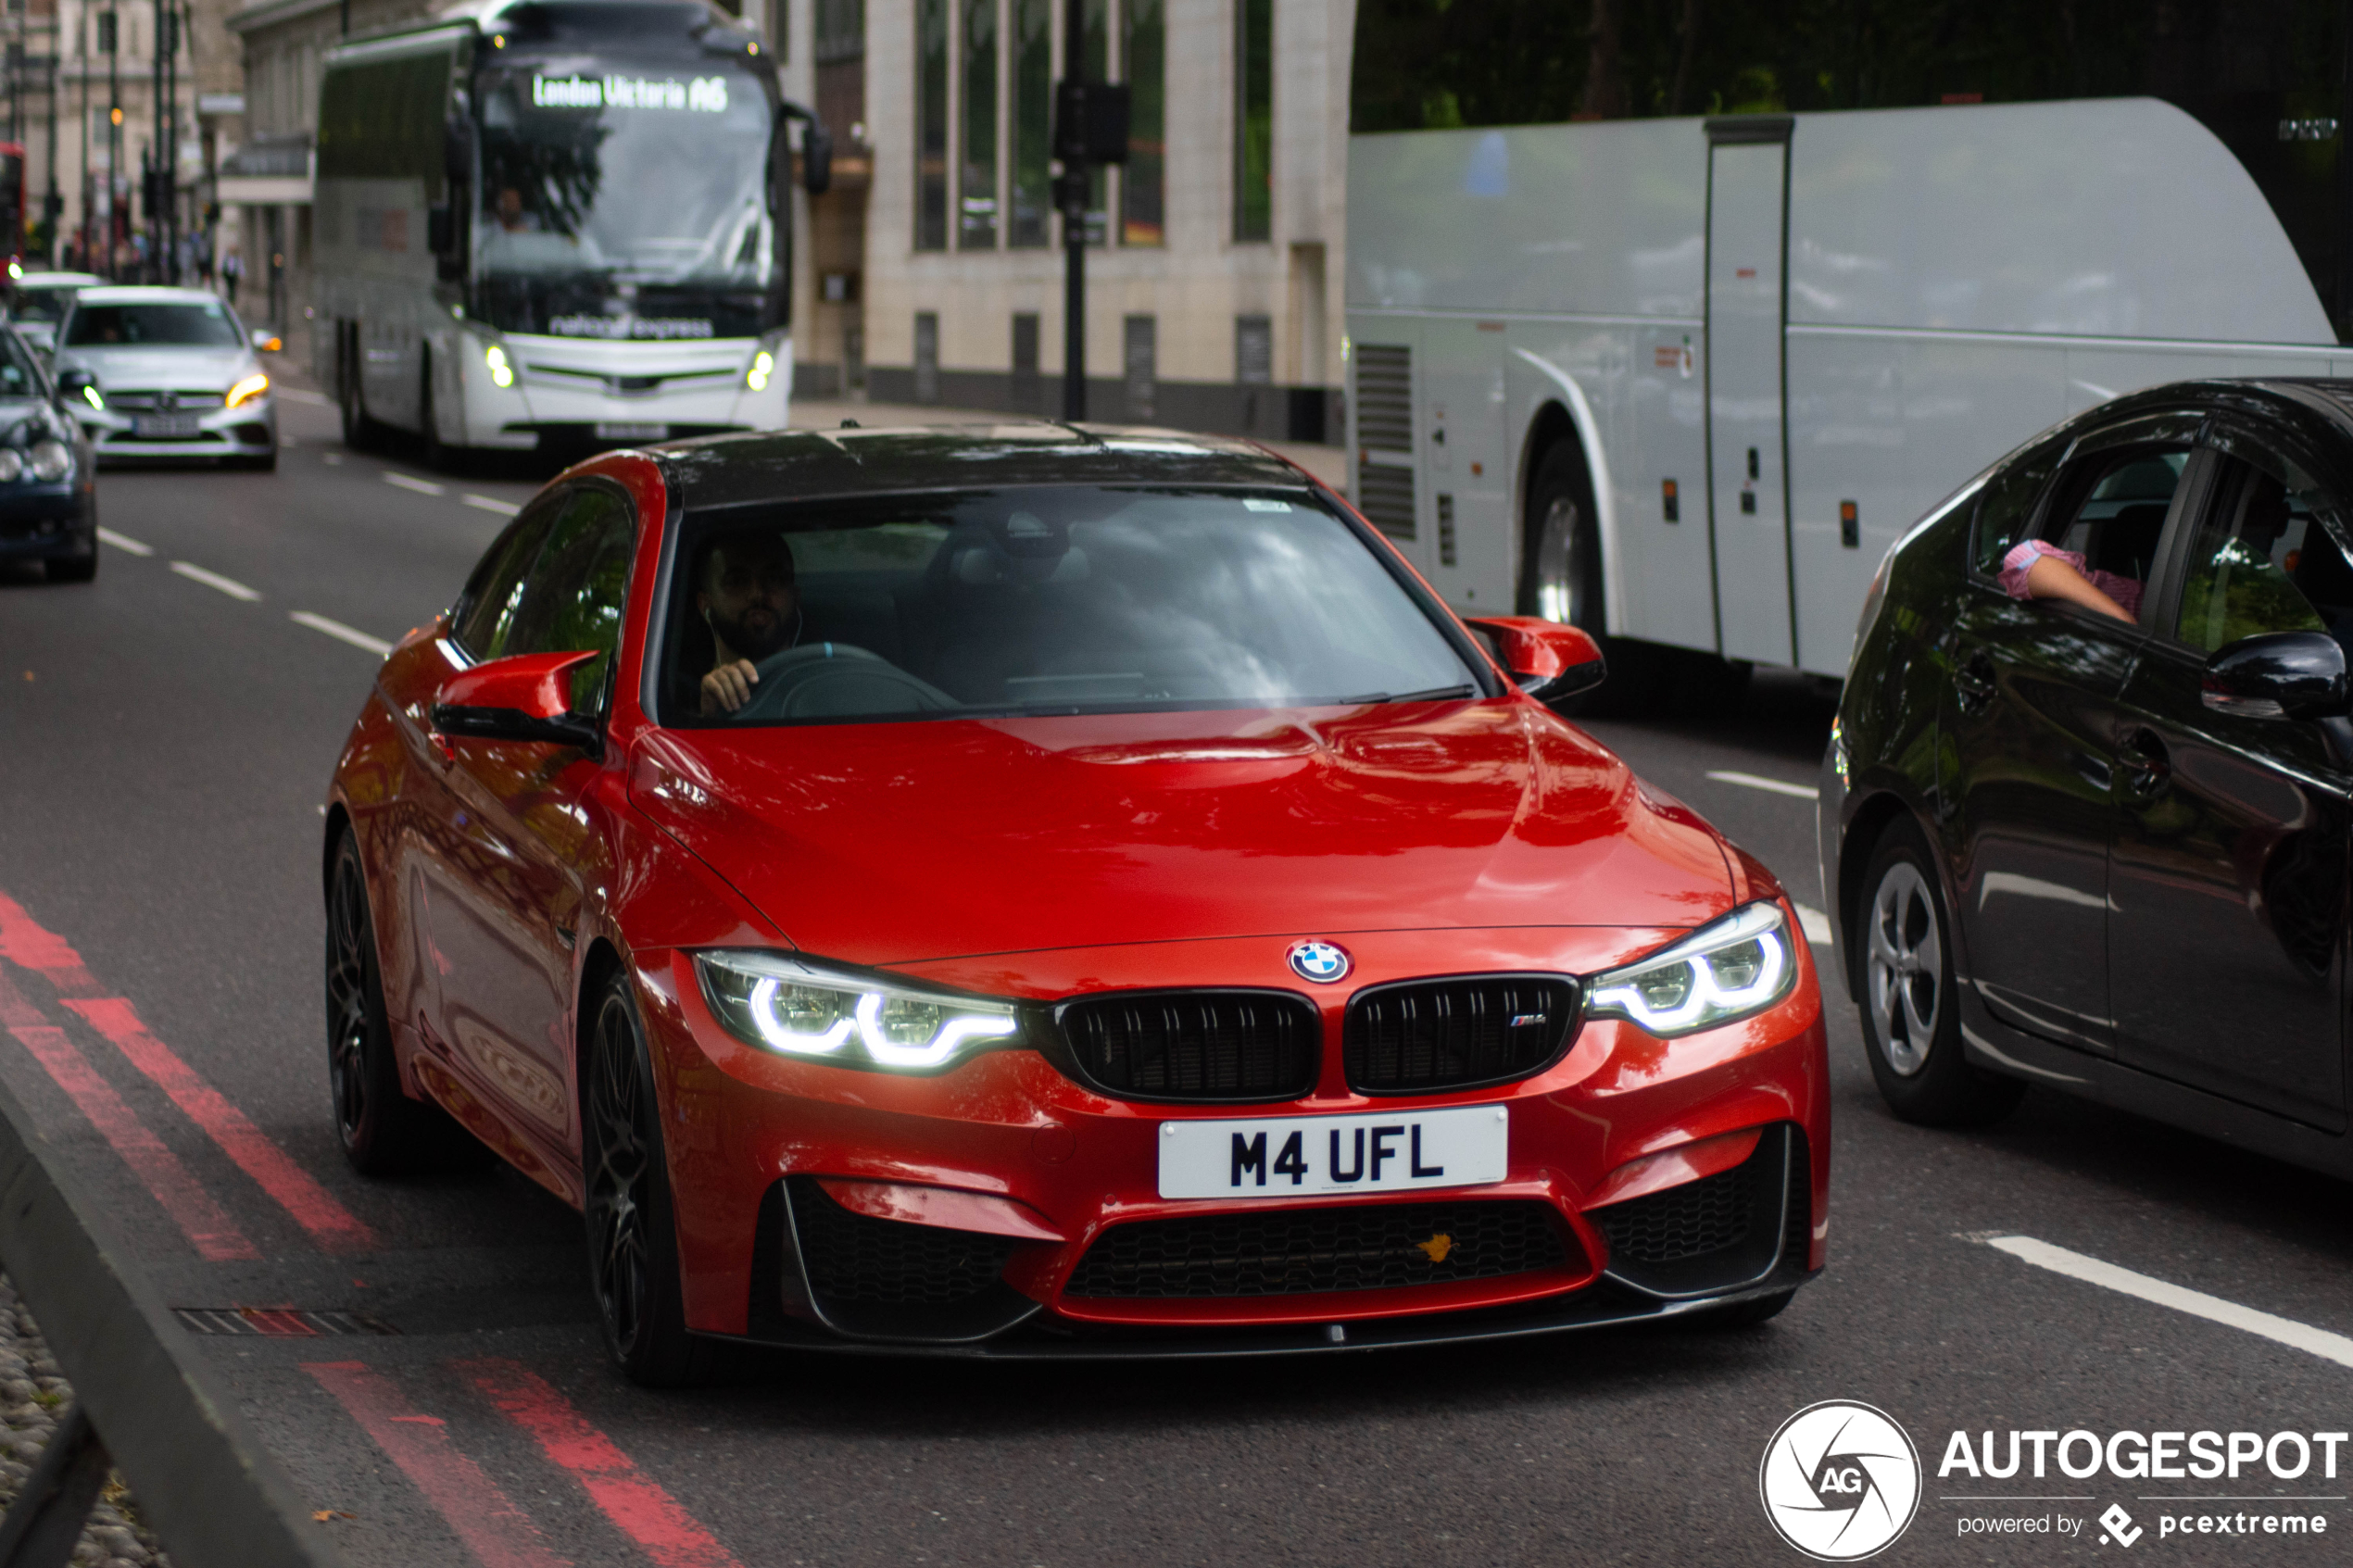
{"type": "Point", "coordinates": [276, 1323]}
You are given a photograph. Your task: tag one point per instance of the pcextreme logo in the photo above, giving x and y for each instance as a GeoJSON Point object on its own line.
{"type": "Point", "coordinates": [1840, 1480]}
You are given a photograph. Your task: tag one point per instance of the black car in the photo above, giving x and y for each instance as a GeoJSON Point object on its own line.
{"type": "Point", "coordinates": [48, 485]}
{"type": "Point", "coordinates": [2110, 854]}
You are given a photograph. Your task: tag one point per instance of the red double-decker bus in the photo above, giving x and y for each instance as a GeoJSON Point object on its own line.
{"type": "Point", "coordinates": [12, 203]}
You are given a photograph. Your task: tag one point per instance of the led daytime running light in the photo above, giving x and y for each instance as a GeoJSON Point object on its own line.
{"type": "Point", "coordinates": [248, 389]}
{"type": "Point", "coordinates": [762, 364]}
{"type": "Point", "coordinates": [769, 999]}
{"type": "Point", "coordinates": [90, 394]}
{"type": "Point", "coordinates": [1739, 966]}
{"type": "Point", "coordinates": [502, 372]}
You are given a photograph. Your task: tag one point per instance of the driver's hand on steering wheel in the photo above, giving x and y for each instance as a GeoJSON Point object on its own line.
{"type": "Point", "coordinates": [729, 687]}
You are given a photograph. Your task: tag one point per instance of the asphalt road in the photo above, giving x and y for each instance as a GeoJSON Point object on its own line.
{"type": "Point", "coordinates": [164, 745]}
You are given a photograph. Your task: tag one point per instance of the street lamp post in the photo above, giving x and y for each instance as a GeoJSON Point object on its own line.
{"type": "Point", "coordinates": [1090, 129]}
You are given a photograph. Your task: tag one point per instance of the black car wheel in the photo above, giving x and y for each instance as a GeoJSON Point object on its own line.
{"type": "Point", "coordinates": [1911, 1014]}
{"type": "Point", "coordinates": [632, 1237]}
{"type": "Point", "coordinates": [383, 1132]}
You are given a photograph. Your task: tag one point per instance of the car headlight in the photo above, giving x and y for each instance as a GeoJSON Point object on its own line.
{"type": "Point", "coordinates": [502, 372]}
{"type": "Point", "coordinates": [763, 365]}
{"type": "Point", "coordinates": [796, 1006]}
{"type": "Point", "coordinates": [11, 465]}
{"type": "Point", "coordinates": [52, 460]}
{"type": "Point", "coordinates": [1723, 972]}
{"type": "Point", "coordinates": [247, 390]}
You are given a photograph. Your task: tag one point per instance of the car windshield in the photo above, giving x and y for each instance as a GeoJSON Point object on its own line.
{"type": "Point", "coordinates": [616, 204]}
{"type": "Point", "coordinates": [19, 377]}
{"type": "Point", "coordinates": [200, 323]}
{"type": "Point", "coordinates": [41, 305]}
{"type": "Point", "coordinates": [1045, 600]}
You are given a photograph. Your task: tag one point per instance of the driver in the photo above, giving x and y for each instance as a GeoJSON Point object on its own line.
{"type": "Point", "coordinates": [748, 598]}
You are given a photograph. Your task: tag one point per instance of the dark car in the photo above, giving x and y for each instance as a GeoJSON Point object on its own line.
{"type": "Point", "coordinates": [49, 494]}
{"type": "Point", "coordinates": [2110, 854]}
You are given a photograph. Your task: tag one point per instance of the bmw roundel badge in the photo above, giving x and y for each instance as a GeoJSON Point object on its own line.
{"type": "Point", "coordinates": [1322, 962]}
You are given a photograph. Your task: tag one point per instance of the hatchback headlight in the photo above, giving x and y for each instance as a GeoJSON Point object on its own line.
{"type": "Point", "coordinates": [1724, 972]}
{"type": "Point", "coordinates": [796, 1006]}
{"type": "Point", "coordinates": [502, 372]}
{"type": "Point", "coordinates": [247, 390]}
{"type": "Point", "coordinates": [52, 460]}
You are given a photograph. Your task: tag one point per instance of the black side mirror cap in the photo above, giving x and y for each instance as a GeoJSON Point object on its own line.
{"type": "Point", "coordinates": [2279, 675]}
{"type": "Point", "coordinates": [817, 158]}
{"type": "Point", "coordinates": [513, 723]}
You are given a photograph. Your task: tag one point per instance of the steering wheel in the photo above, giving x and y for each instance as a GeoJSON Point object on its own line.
{"type": "Point", "coordinates": [838, 679]}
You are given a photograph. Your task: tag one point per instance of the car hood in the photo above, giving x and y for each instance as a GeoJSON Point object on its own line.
{"type": "Point", "coordinates": [191, 368]}
{"type": "Point", "coordinates": [896, 843]}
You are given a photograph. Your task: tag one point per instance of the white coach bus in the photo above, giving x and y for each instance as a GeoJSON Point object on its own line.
{"type": "Point", "coordinates": [560, 222]}
{"type": "Point", "coordinates": [1684, 380]}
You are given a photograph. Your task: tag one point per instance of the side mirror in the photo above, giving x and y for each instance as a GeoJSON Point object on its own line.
{"type": "Point", "coordinates": [526, 698]}
{"type": "Point", "coordinates": [817, 158]}
{"type": "Point", "coordinates": [78, 386]}
{"type": "Point", "coordinates": [2279, 675]}
{"type": "Point", "coordinates": [267, 343]}
{"type": "Point", "coordinates": [1547, 659]}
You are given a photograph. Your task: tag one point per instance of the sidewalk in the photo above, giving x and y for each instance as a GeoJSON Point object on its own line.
{"type": "Point", "coordinates": [1326, 463]}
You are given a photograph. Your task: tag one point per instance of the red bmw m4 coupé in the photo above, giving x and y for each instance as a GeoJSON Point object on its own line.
{"type": "Point", "coordinates": [1046, 891]}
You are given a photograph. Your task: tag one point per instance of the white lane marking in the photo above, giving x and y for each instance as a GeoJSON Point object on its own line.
{"type": "Point", "coordinates": [421, 487]}
{"type": "Point", "coordinates": [228, 585]}
{"type": "Point", "coordinates": [1771, 786]}
{"type": "Point", "coordinates": [122, 542]}
{"type": "Point", "coordinates": [341, 633]}
{"type": "Point", "coordinates": [2197, 1303]}
{"type": "Point", "coordinates": [300, 394]}
{"type": "Point", "coordinates": [491, 504]}
{"type": "Point", "coordinates": [1816, 924]}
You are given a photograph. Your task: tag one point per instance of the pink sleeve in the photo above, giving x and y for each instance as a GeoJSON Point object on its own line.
{"type": "Point", "coordinates": [2020, 560]}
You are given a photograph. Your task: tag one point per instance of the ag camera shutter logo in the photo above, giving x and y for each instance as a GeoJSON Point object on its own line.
{"type": "Point", "coordinates": [1840, 1481]}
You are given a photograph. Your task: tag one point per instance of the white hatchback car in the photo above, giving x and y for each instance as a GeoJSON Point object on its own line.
{"type": "Point", "coordinates": [166, 374]}
{"type": "Point", "coordinates": [38, 301]}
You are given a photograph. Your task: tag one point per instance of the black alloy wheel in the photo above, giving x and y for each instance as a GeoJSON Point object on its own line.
{"type": "Point", "coordinates": [383, 1132]}
{"type": "Point", "coordinates": [1903, 953]}
{"type": "Point", "coordinates": [632, 1234]}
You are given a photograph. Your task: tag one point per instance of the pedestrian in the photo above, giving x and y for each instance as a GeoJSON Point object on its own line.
{"type": "Point", "coordinates": [232, 269]}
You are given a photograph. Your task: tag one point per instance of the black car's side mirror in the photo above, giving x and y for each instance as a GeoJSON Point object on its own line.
{"type": "Point", "coordinates": [2279, 675]}
{"type": "Point", "coordinates": [74, 384]}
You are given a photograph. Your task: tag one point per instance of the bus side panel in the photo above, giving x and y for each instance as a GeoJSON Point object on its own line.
{"type": "Point", "coordinates": [1893, 426]}
{"type": "Point", "coordinates": [1467, 549]}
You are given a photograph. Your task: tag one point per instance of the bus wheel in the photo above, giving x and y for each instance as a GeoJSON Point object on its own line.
{"type": "Point", "coordinates": [436, 453]}
{"type": "Point", "coordinates": [358, 430]}
{"type": "Point", "coordinates": [1561, 579]}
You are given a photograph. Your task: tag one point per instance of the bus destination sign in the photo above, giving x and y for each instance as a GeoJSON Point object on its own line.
{"type": "Point", "coordinates": [704, 95]}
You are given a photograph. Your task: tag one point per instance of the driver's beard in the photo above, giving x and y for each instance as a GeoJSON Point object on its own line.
{"type": "Point", "coordinates": [781, 632]}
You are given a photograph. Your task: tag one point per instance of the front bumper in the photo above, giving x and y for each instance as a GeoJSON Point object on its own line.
{"type": "Point", "coordinates": [753, 1135]}
{"type": "Point", "coordinates": [44, 522]}
{"type": "Point", "coordinates": [249, 429]}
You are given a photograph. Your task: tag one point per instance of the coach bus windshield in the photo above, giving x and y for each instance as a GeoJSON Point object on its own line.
{"type": "Point", "coordinates": [627, 203]}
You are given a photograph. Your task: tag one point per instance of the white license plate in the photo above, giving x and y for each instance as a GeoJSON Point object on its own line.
{"type": "Point", "coordinates": [158, 427]}
{"type": "Point", "coordinates": [1297, 1156]}
{"type": "Point", "coordinates": [620, 430]}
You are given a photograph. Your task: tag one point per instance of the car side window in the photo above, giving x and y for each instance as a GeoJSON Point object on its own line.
{"type": "Point", "coordinates": [495, 586]}
{"type": "Point", "coordinates": [2111, 509]}
{"type": "Point", "coordinates": [2262, 560]}
{"type": "Point", "coordinates": [2004, 510]}
{"type": "Point", "coordinates": [572, 596]}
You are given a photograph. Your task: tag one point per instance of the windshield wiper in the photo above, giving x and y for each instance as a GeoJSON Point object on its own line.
{"type": "Point", "coordinates": [1435, 693]}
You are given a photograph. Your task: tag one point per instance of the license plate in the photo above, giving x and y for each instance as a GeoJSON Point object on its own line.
{"type": "Point", "coordinates": [158, 427]}
{"type": "Point", "coordinates": [622, 429]}
{"type": "Point", "coordinates": [1298, 1156]}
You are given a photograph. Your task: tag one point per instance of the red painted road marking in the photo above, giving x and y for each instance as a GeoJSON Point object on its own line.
{"type": "Point", "coordinates": [631, 1499]}
{"type": "Point", "coordinates": [14, 1008]}
{"type": "Point", "coordinates": [330, 1224]}
{"type": "Point", "coordinates": [209, 1227]}
{"type": "Point", "coordinates": [493, 1528]}
{"type": "Point", "coordinates": [24, 941]}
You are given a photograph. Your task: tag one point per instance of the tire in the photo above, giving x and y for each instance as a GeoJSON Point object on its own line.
{"type": "Point", "coordinates": [1902, 953]}
{"type": "Point", "coordinates": [631, 1229]}
{"type": "Point", "coordinates": [359, 431]}
{"type": "Point", "coordinates": [382, 1130]}
{"type": "Point", "coordinates": [436, 455]}
{"type": "Point", "coordinates": [1560, 579]}
{"type": "Point", "coordinates": [75, 568]}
